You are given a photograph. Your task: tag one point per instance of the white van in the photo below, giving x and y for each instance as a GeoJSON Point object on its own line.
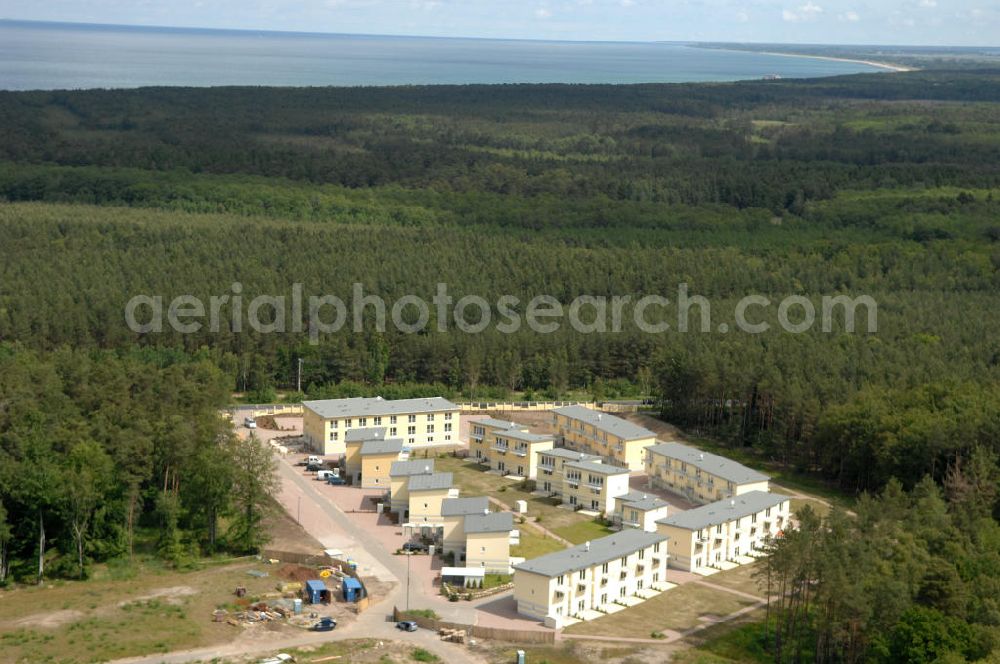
{"type": "Point", "coordinates": [314, 459]}
{"type": "Point", "coordinates": [321, 475]}
{"type": "Point", "coordinates": [250, 423]}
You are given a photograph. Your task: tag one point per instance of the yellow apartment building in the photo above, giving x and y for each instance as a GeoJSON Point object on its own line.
{"type": "Point", "coordinates": [418, 422]}
{"type": "Point", "coordinates": [551, 465]}
{"type": "Point", "coordinates": [453, 513]}
{"type": "Point", "coordinates": [617, 441]}
{"type": "Point", "coordinates": [352, 449]}
{"type": "Point", "coordinates": [399, 482]}
{"type": "Point", "coordinates": [487, 541]}
{"type": "Point", "coordinates": [377, 457]}
{"type": "Point", "coordinates": [730, 530]}
{"type": "Point", "coordinates": [481, 431]}
{"type": "Point", "coordinates": [639, 510]}
{"type": "Point", "coordinates": [427, 492]}
{"type": "Point", "coordinates": [584, 581]}
{"type": "Point", "coordinates": [515, 452]}
{"type": "Point", "coordinates": [593, 486]}
{"type": "Point", "coordinates": [700, 476]}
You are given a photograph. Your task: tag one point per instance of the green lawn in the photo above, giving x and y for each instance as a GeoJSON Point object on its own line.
{"type": "Point", "coordinates": [534, 543]}
{"type": "Point", "coordinates": [740, 579]}
{"type": "Point", "coordinates": [584, 531]}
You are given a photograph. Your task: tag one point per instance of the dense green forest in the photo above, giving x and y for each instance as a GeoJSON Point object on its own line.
{"type": "Point", "coordinates": [878, 185]}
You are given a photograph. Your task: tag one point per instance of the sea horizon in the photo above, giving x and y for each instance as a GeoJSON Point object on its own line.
{"type": "Point", "coordinates": [42, 55]}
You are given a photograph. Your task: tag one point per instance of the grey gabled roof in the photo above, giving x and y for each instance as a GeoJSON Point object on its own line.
{"type": "Point", "coordinates": [369, 406]}
{"type": "Point", "coordinates": [597, 468]}
{"type": "Point", "coordinates": [386, 446]}
{"type": "Point", "coordinates": [600, 551]}
{"type": "Point", "coordinates": [572, 455]}
{"type": "Point", "coordinates": [494, 522]}
{"type": "Point", "coordinates": [361, 435]}
{"type": "Point", "coordinates": [411, 467]}
{"type": "Point", "coordinates": [604, 422]}
{"type": "Point", "coordinates": [719, 466]}
{"type": "Point", "coordinates": [498, 424]}
{"type": "Point", "coordinates": [642, 501]}
{"type": "Point", "coordinates": [430, 482]}
{"type": "Point", "coordinates": [525, 436]}
{"type": "Point", "coordinates": [464, 506]}
{"type": "Point", "coordinates": [724, 510]}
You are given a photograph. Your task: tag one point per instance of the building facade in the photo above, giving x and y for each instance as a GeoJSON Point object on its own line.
{"type": "Point", "coordinates": [513, 451]}
{"type": "Point", "coordinates": [399, 482]}
{"type": "Point", "coordinates": [426, 493]}
{"type": "Point", "coordinates": [551, 464]}
{"type": "Point", "coordinates": [377, 457]}
{"type": "Point", "coordinates": [583, 581]}
{"type": "Point", "coordinates": [417, 422]}
{"type": "Point", "coordinates": [730, 530]}
{"type": "Point", "coordinates": [481, 431]}
{"type": "Point", "coordinates": [700, 476]}
{"type": "Point", "coordinates": [453, 513]}
{"type": "Point", "coordinates": [617, 441]}
{"type": "Point", "coordinates": [487, 541]}
{"type": "Point", "coordinates": [639, 510]}
{"type": "Point", "coordinates": [352, 449]}
{"type": "Point", "coordinates": [593, 486]}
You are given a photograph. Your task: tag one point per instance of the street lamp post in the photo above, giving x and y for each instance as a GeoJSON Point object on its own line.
{"type": "Point", "coordinates": [408, 554]}
{"type": "Point", "coordinates": [298, 511]}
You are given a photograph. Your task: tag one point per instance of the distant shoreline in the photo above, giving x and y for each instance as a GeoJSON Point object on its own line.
{"type": "Point", "coordinates": [785, 54]}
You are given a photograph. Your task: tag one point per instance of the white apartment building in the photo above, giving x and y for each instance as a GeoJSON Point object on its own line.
{"type": "Point", "coordinates": [583, 581]}
{"type": "Point", "coordinates": [417, 422]}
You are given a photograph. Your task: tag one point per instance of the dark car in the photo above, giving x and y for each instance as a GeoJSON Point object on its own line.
{"type": "Point", "coordinates": [325, 625]}
{"type": "Point", "coordinates": [333, 479]}
{"type": "Point", "coordinates": [415, 547]}
{"type": "Point", "coordinates": [407, 625]}
{"type": "Point", "coordinates": [313, 467]}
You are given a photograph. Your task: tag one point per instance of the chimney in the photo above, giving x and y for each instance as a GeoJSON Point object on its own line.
{"type": "Point", "coordinates": [598, 417]}
{"type": "Point", "coordinates": [701, 456]}
{"type": "Point", "coordinates": [486, 511]}
{"type": "Point", "coordinates": [586, 545]}
{"type": "Point", "coordinates": [427, 469]}
{"type": "Point", "coordinates": [732, 504]}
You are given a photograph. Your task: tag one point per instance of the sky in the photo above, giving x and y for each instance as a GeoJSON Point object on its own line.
{"type": "Point", "coordinates": [909, 22]}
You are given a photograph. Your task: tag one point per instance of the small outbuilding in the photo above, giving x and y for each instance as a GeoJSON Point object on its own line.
{"type": "Point", "coordinates": [352, 589]}
{"type": "Point", "coordinates": [317, 592]}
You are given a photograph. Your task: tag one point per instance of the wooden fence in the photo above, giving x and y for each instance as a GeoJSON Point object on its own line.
{"type": "Point", "coordinates": [479, 632]}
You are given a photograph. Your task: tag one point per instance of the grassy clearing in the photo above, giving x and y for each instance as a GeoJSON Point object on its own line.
{"type": "Point", "coordinates": [724, 644]}
{"type": "Point", "coordinates": [534, 543]}
{"type": "Point", "coordinates": [676, 609]}
{"type": "Point", "coordinates": [740, 579]}
{"type": "Point", "coordinates": [121, 613]}
{"type": "Point", "coordinates": [584, 531]}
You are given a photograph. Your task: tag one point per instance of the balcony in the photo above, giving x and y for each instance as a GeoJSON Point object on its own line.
{"type": "Point", "coordinates": [594, 485]}
{"type": "Point", "coordinates": [501, 450]}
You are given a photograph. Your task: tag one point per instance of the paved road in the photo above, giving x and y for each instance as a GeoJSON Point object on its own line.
{"type": "Point", "coordinates": [372, 558]}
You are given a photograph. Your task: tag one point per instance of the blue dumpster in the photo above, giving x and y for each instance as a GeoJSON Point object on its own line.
{"type": "Point", "coordinates": [316, 591]}
{"type": "Point", "coordinates": [352, 589]}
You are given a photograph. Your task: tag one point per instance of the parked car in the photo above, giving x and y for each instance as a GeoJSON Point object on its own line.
{"type": "Point", "coordinates": [335, 480]}
{"type": "Point", "coordinates": [415, 547]}
{"type": "Point", "coordinates": [314, 467]}
{"type": "Point", "coordinates": [250, 423]}
{"type": "Point", "coordinates": [325, 625]}
{"type": "Point", "coordinates": [312, 458]}
{"type": "Point", "coordinates": [323, 475]}
{"type": "Point", "coordinates": [407, 626]}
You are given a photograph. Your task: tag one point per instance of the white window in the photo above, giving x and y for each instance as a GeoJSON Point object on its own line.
{"type": "Point", "coordinates": [447, 426]}
{"type": "Point", "coordinates": [377, 420]}
{"type": "Point", "coordinates": [447, 416]}
{"type": "Point", "coordinates": [411, 418]}
{"type": "Point", "coordinates": [411, 430]}
{"type": "Point", "coordinates": [430, 428]}
{"type": "Point", "coordinates": [362, 421]}
{"type": "Point", "coordinates": [392, 419]}
{"type": "Point", "coordinates": [430, 417]}
{"type": "Point", "coordinates": [392, 431]}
